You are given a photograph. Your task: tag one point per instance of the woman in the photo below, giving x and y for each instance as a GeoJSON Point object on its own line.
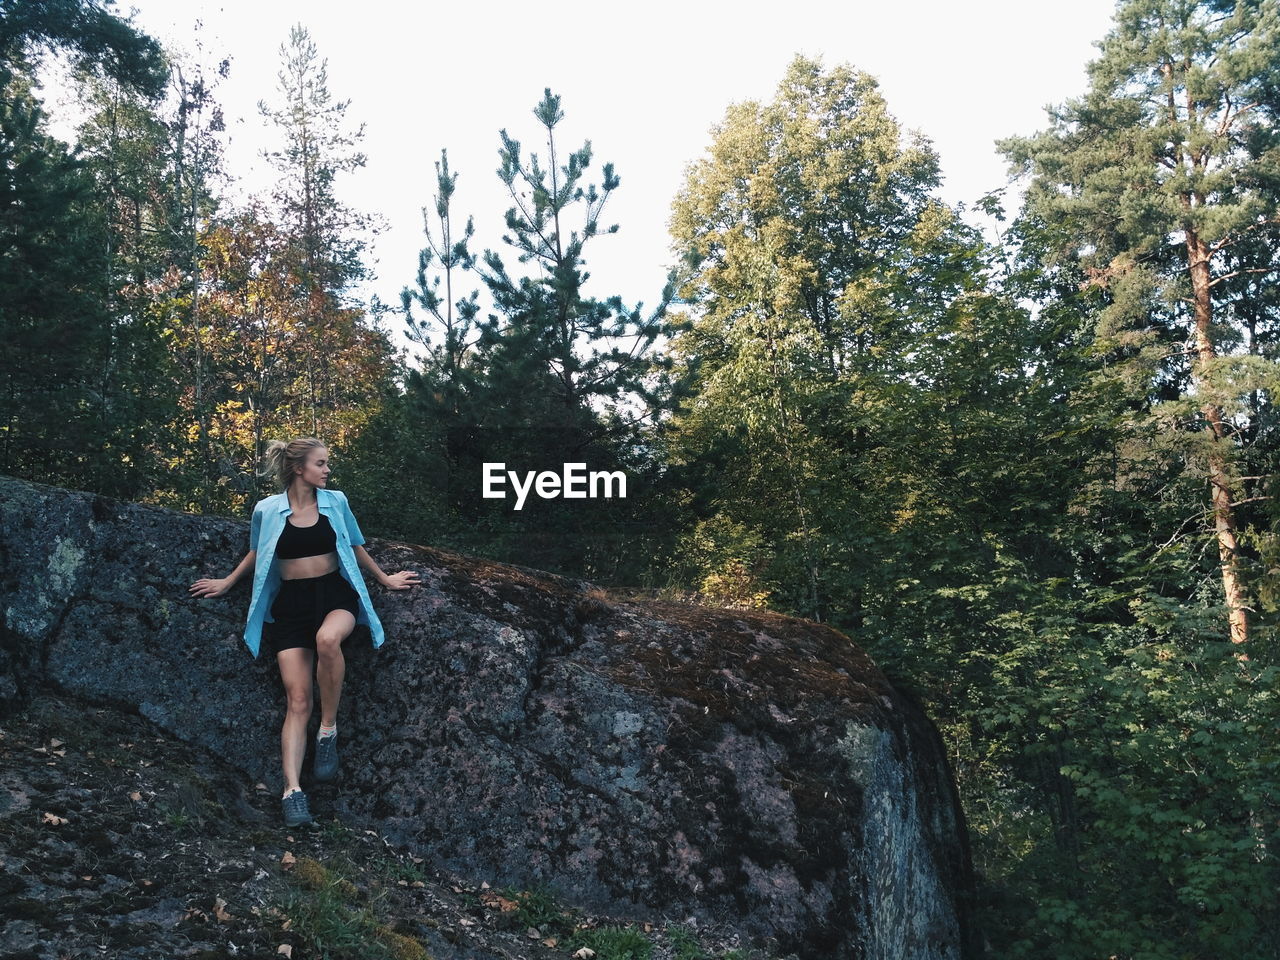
{"type": "Point", "coordinates": [304, 545]}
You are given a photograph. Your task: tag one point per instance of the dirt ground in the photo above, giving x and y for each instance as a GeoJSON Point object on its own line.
{"type": "Point", "coordinates": [119, 842]}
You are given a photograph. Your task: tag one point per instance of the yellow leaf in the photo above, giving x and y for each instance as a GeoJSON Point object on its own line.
{"type": "Point", "coordinates": [288, 860]}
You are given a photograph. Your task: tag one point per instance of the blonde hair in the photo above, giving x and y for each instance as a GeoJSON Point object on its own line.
{"type": "Point", "coordinates": [282, 459]}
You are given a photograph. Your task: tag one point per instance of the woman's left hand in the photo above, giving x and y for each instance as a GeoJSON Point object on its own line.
{"type": "Point", "coordinates": [401, 581]}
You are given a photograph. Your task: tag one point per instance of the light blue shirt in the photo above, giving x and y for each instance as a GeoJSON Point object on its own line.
{"type": "Point", "coordinates": [269, 518]}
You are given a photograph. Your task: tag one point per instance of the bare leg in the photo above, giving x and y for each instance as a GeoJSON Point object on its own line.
{"type": "Point", "coordinates": [295, 671]}
{"type": "Point", "coordinates": [331, 667]}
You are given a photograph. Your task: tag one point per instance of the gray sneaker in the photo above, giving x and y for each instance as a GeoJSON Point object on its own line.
{"type": "Point", "coordinates": [296, 811]}
{"type": "Point", "coordinates": [326, 765]}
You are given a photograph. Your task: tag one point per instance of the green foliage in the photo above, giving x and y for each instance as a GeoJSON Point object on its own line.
{"type": "Point", "coordinates": [1002, 503]}
{"type": "Point", "coordinates": [96, 41]}
{"type": "Point", "coordinates": [52, 295]}
{"type": "Point", "coordinates": [568, 353]}
{"type": "Point", "coordinates": [317, 148]}
{"type": "Point", "coordinates": [540, 907]}
{"type": "Point", "coordinates": [72, 411]}
{"type": "Point", "coordinates": [613, 943]}
{"type": "Point", "coordinates": [554, 375]}
{"type": "Point", "coordinates": [1157, 188]}
{"type": "Point", "coordinates": [446, 376]}
{"type": "Point", "coordinates": [684, 945]}
{"type": "Point", "coordinates": [330, 928]}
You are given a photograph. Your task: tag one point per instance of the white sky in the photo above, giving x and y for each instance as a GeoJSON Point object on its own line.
{"type": "Point", "coordinates": [645, 82]}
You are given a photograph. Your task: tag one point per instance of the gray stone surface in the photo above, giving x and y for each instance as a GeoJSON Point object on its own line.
{"type": "Point", "coordinates": [518, 727]}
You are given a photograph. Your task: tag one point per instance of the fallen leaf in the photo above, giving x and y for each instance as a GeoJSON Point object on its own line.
{"type": "Point", "coordinates": [288, 860]}
{"type": "Point", "coordinates": [284, 950]}
{"type": "Point", "coordinates": [287, 925]}
{"type": "Point", "coordinates": [586, 953]}
{"type": "Point", "coordinates": [533, 933]}
{"type": "Point", "coordinates": [418, 884]}
{"type": "Point", "coordinates": [261, 788]}
{"type": "Point", "coordinates": [550, 942]}
{"type": "Point", "coordinates": [54, 820]}
{"type": "Point", "coordinates": [493, 901]}
{"type": "Point", "coordinates": [415, 859]}
{"type": "Point", "coordinates": [148, 883]}
{"type": "Point", "coordinates": [86, 879]}
{"type": "Point", "coordinates": [220, 910]}
{"type": "Point", "coordinates": [136, 797]}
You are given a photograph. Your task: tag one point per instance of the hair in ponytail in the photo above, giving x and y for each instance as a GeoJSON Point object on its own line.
{"type": "Point", "coordinates": [282, 459]}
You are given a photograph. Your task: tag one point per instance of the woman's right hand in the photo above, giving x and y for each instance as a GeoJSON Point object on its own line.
{"type": "Point", "coordinates": [210, 588]}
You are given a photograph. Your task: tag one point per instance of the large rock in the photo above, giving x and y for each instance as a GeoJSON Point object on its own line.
{"type": "Point", "coordinates": [640, 758]}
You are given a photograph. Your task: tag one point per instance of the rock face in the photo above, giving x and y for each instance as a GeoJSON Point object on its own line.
{"type": "Point", "coordinates": [518, 727]}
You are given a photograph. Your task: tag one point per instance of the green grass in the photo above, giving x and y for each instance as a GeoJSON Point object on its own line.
{"type": "Point", "coordinates": [539, 907]}
{"type": "Point", "coordinates": [684, 945]}
{"type": "Point", "coordinates": [614, 943]}
{"type": "Point", "coordinates": [395, 871]}
{"type": "Point", "coordinates": [330, 926]}
{"type": "Point", "coordinates": [331, 929]}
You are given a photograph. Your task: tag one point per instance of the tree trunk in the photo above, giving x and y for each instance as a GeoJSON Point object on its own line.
{"type": "Point", "coordinates": [1220, 471]}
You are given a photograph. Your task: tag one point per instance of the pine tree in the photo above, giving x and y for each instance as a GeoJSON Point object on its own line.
{"type": "Point", "coordinates": [327, 236]}
{"type": "Point", "coordinates": [1161, 182]}
{"type": "Point", "coordinates": [568, 354]}
{"type": "Point", "coordinates": [448, 331]}
{"type": "Point", "coordinates": [65, 417]}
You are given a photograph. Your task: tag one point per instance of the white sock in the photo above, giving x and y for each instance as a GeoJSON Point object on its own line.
{"type": "Point", "coordinates": [290, 791]}
{"type": "Point", "coordinates": [327, 731]}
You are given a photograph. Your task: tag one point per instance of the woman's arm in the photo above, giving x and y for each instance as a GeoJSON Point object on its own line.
{"type": "Point", "coordinates": [396, 581]}
{"type": "Point", "coordinates": [215, 588]}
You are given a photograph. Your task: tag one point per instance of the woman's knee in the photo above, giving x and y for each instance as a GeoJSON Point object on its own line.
{"type": "Point", "coordinates": [299, 701]}
{"type": "Point", "coordinates": [329, 642]}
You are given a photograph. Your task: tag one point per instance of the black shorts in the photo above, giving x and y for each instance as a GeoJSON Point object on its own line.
{"type": "Point", "coordinates": [301, 606]}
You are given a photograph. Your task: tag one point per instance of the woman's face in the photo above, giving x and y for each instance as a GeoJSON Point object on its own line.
{"type": "Point", "coordinates": [316, 470]}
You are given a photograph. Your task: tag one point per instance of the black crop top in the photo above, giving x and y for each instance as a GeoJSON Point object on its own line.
{"type": "Point", "coordinates": [313, 541]}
